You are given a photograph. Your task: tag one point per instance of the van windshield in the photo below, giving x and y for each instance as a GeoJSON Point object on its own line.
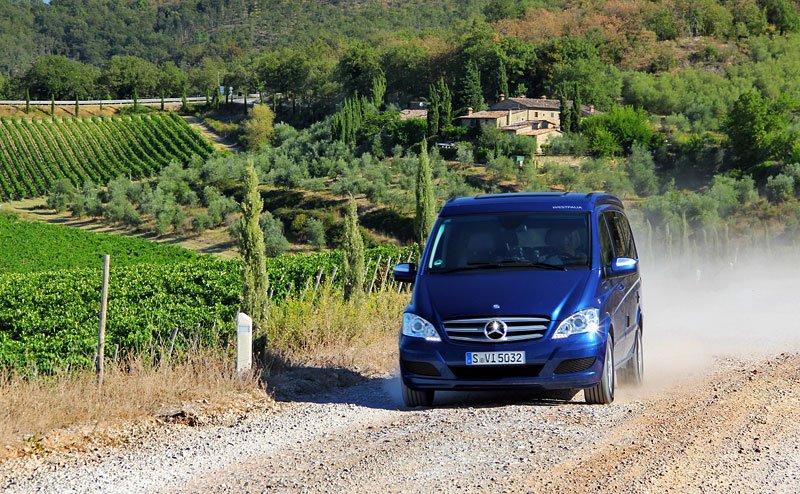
{"type": "Point", "coordinates": [552, 241]}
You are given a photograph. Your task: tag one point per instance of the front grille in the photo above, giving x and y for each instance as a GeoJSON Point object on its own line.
{"type": "Point", "coordinates": [519, 329]}
{"type": "Point", "coordinates": [419, 368]}
{"type": "Point", "coordinates": [574, 365]}
{"type": "Point", "coordinates": [495, 371]}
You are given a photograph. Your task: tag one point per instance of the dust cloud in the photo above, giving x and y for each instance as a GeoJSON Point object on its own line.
{"type": "Point", "coordinates": [696, 310]}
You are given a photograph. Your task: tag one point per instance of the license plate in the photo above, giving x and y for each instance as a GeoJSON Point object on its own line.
{"type": "Point", "coordinates": [495, 358]}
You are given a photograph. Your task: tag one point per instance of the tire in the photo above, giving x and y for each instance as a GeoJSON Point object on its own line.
{"type": "Point", "coordinates": [413, 398]}
{"type": "Point", "coordinates": [602, 393]}
{"type": "Point", "coordinates": [634, 367]}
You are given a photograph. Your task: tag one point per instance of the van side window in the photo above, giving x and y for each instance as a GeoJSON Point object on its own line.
{"type": "Point", "coordinates": [606, 248]}
{"type": "Point", "coordinates": [621, 236]}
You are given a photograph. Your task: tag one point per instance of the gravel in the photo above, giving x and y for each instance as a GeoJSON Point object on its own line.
{"type": "Point", "coordinates": [736, 429]}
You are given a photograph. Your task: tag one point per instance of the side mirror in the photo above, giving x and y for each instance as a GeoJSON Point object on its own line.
{"type": "Point", "coordinates": [622, 266]}
{"type": "Point", "coordinates": [405, 272]}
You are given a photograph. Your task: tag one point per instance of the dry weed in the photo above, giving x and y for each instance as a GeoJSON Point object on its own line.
{"type": "Point", "coordinates": [42, 412]}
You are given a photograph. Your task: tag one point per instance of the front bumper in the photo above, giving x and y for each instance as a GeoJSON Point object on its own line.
{"type": "Point", "coordinates": [574, 362]}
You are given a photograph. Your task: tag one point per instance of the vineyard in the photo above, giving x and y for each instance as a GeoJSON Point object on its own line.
{"type": "Point", "coordinates": [30, 247]}
{"type": "Point", "coordinates": [50, 292]}
{"type": "Point", "coordinates": [36, 153]}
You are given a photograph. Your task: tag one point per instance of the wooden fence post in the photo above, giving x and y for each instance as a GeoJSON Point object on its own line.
{"type": "Point", "coordinates": [101, 333]}
{"type": "Point", "coordinates": [385, 273]}
{"type": "Point", "coordinates": [374, 274]}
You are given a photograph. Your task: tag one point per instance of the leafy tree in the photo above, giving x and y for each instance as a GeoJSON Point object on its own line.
{"type": "Point", "coordinates": [208, 75]}
{"type": "Point", "coordinates": [783, 15]}
{"type": "Point", "coordinates": [60, 77]}
{"type": "Point", "coordinates": [358, 67]}
{"type": "Point", "coordinates": [662, 22]}
{"type": "Point", "coordinates": [425, 210]}
{"type": "Point", "coordinates": [756, 129]}
{"type": "Point", "coordinates": [258, 129]}
{"type": "Point", "coordinates": [125, 75]}
{"type": "Point", "coordinates": [255, 287]}
{"type": "Point", "coordinates": [471, 93]}
{"type": "Point", "coordinates": [172, 80]}
{"type": "Point", "coordinates": [353, 246]}
{"type": "Point", "coordinates": [501, 9]}
{"type": "Point", "coordinates": [568, 61]}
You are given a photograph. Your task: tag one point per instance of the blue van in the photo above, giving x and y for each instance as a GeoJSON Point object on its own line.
{"type": "Point", "coordinates": [524, 291]}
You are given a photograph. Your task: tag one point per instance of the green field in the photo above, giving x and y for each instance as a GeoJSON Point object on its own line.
{"type": "Point", "coordinates": [30, 247]}
{"type": "Point", "coordinates": [36, 153]}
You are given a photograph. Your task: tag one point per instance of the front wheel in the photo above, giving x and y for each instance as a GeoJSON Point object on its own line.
{"type": "Point", "coordinates": [413, 398]}
{"type": "Point", "coordinates": [602, 393]}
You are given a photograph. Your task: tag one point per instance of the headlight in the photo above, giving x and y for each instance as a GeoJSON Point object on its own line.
{"type": "Point", "coordinates": [417, 327]}
{"type": "Point", "coordinates": [583, 321]}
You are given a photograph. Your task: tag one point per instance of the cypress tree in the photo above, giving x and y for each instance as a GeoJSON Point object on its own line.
{"type": "Point", "coordinates": [353, 247]}
{"type": "Point", "coordinates": [208, 102]}
{"type": "Point", "coordinates": [576, 111]}
{"type": "Point", "coordinates": [255, 284]}
{"type": "Point", "coordinates": [52, 106]}
{"type": "Point", "coordinates": [471, 91]}
{"type": "Point", "coordinates": [77, 106]}
{"type": "Point", "coordinates": [135, 101]}
{"type": "Point", "coordinates": [433, 113]}
{"type": "Point", "coordinates": [425, 212]}
{"type": "Point", "coordinates": [502, 80]}
{"type": "Point", "coordinates": [162, 100]}
{"type": "Point", "coordinates": [565, 114]}
{"type": "Point", "coordinates": [215, 99]}
{"type": "Point", "coordinates": [378, 90]}
{"type": "Point", "coordinates": [27, 100]}
{"type": "Point", "coordinates": [445, 105]}
{"type": "Point", "coordinates": [184, 102]}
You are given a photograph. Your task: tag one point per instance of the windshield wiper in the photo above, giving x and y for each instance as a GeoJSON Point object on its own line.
{"type": "Point", "coordinates": [531, 264]}
{"type": "Point", "coordinates": [505, 263]}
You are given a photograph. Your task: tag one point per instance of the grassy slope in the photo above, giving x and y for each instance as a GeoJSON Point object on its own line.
{"type": "Point", "coordinates": [30, 247]}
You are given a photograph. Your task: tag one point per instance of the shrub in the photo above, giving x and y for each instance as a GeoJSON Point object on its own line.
{"type": "Point", "coordinates": [315, 233]}
{"type": "Point", "coordinates": [274, 239]}
{"type": "Point", "coordinates": [62, 194]}
{"type": "Point", "coordinates": [780, 188]}
{"type": "Point", "coordinates": [202, 222]}
{"type": "Point", "coordinates": [571, 144]}
{"type": "Point", "coordinates": [641, 170]}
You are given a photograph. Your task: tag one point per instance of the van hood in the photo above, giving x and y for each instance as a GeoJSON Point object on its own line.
{"type": "Point", "coordinates": [555, 294]}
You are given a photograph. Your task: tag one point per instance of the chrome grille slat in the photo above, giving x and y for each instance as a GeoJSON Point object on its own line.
{"type": "Point", "coordinates": [518, 329]}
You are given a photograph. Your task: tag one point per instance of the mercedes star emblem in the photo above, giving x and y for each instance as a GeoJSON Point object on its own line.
{"type": "Point", "coordinates": [495, 329]}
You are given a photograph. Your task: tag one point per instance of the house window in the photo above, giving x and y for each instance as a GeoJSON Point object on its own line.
{"type": "Point", "coordinates": [536, 114]}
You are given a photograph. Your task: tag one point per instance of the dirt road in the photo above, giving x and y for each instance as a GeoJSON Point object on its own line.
{"type": "Point", "coordinates": [720, 412]}
{"type": "Point", "coordinates": [735, 429]}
